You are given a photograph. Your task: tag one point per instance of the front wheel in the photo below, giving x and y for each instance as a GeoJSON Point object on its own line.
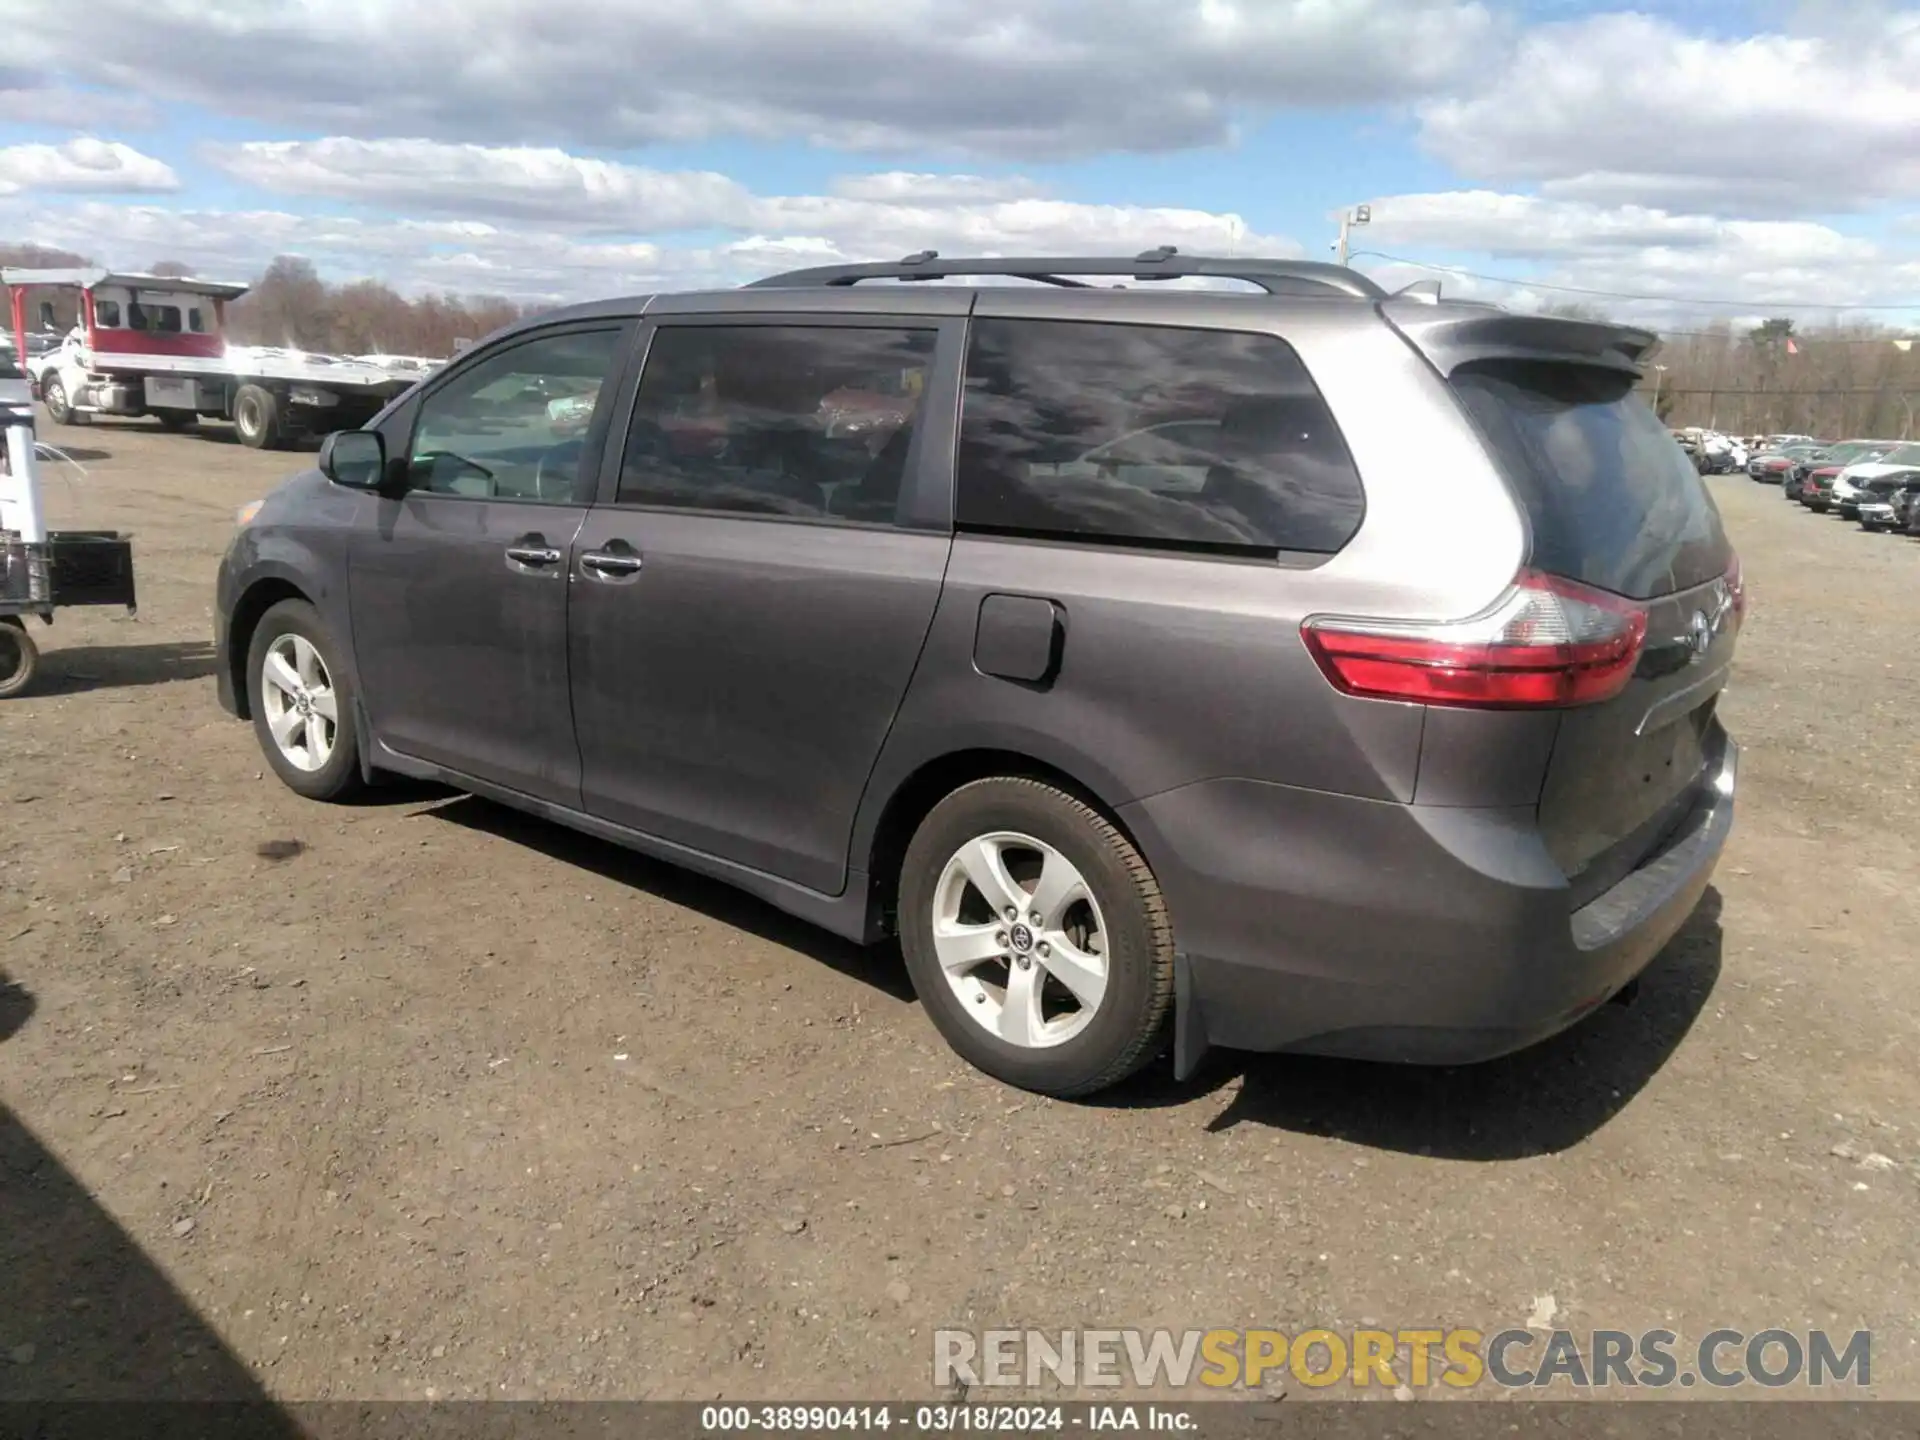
{"type": "Point", "coordinates": [1037, 938]}
{"type": "Point", "coordinates": [19, 657]}
{"type": "Point", "coordinates": [53, 394]}
{"type": "Point", "coordinates": [302, 703]}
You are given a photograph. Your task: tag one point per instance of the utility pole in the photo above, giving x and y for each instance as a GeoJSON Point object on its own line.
{"type": "Point", "coordinates": [1358, 215]}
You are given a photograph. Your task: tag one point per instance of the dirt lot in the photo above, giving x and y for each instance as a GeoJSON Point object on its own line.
{"type": "Point", "coordinates": [455, 1104]}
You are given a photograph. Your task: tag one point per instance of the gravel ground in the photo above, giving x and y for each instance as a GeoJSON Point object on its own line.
{"type": "Point", "coordinates": [455, 1104]}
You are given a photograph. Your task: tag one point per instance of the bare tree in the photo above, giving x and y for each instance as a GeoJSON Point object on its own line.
{"type": "Point", "coordinates": [176, 268]}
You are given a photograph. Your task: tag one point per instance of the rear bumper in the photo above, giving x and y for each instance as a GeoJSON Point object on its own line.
{"type": "Point", "coordinates": [1329, 925]}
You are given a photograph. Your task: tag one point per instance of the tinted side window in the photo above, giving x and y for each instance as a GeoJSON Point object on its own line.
{"type": "Point", "coordinates": [1149, 435]}
{"type": "Point", "coordinates": [810, 422]}
{"type": "Point", "coordinates": [1611, 500]}
{"type": "Point", "coordinates": [513, 425]}
{"type": "Point", "coordinates": [106, 314]}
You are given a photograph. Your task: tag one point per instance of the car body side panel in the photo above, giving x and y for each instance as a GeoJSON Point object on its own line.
{"type": "Point", "coordinates": [463, 654]}
{"type": "Point", "coordinates": [1171, 668]}
{"type": "Point", "coordinates": [732, 697]}
{"type": "Point", "coordinates": [299, 538]}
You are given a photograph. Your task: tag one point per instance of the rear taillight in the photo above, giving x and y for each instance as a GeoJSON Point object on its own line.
{"type": "Point", "coordinates": [1547, 642]}
{"type": "Point", "coordinates": [1736, 588]}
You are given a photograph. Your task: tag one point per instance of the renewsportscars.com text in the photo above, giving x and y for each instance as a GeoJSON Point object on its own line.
{"type": "Point", "coordinates": [1461, 1358]}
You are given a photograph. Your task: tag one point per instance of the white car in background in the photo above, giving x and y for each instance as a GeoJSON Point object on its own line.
{"type": "Point", "coordinates": [1723, 454]}
{"type": "Point", "coordinates": [1850, 485]}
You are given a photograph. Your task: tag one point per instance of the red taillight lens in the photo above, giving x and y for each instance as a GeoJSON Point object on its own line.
{"type": "Point", "coordinates": [1737, 588]}
{"type": "Point", "coordinates": [1547, 642]}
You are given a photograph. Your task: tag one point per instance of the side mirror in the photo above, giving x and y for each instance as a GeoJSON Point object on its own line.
{"type": "Point", "coordinates": [356, 459]}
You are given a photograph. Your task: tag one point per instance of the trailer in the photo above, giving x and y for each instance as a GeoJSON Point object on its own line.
{"type": "Point", "coordinates": [41, 570]}
{"type": "Point", "coordinates": [155, 345]}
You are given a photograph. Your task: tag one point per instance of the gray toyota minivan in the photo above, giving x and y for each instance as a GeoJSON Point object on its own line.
{"type": "Point", "coordinates": [1289, 667]}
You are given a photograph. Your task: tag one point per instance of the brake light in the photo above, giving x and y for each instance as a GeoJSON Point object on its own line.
{"type": "Point", "coordinates": [1547, 642]}
{"type": "Point", "coordinates": [1736, 588]}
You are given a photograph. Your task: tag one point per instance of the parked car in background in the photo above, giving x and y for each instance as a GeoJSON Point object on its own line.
{"type": "Point", "coordinates": [1774, 466]}
{"type": "Point", "coordinates": [1887, 498]}
{"type": "Point", "coordinates": [1460, 774]}
{"type": "Point", "coordinates": [1691, 447]}
{"type": "Point", "coordinates": [1816, 490]}
{"type": "Point", "coordinates": [1850, 485]}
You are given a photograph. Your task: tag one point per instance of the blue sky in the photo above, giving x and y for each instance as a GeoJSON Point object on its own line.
{"type": "Point", "coordinates": [1689, 150]}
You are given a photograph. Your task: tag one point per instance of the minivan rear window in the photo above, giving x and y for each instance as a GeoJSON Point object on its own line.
{"type": "Point", "coordinates": [1612, 501]}
{"type": "Point", "coordinates": [1150, 435]}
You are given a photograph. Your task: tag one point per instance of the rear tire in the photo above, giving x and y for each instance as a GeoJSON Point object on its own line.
{"type": "Point", "coordinates": [1110, 937]}
{"type": "Point", "coordinates": [295, 677]}
{"type": "Point", "coordinates": [256, 418]}
{"type": "Point", "coordinates": [19, 657]}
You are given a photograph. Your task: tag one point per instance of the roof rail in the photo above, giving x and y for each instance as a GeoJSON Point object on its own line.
{"type": "Point", "coordinates": [1276, 277]}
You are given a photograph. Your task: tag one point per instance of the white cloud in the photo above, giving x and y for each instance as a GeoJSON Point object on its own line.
{"type": "Point", "coordinates": [1677, 259]}
{"type": "Point", "coordinates": [1020, 78]}
{"type": "Point", "coordinates": [26, 99]}
{"type": "Point", "coordinates": [1629, 108]}
{"type": "Point", "coordinates": [547, 185]}
{"type": "Point", "coordinates": [907, 186]}
{"type": "Point", "coordinates": [534, 261]}
{"type": "Point", "coordinates": [866, 216]}
{"type": "Point", "coordinates": [83, 164]}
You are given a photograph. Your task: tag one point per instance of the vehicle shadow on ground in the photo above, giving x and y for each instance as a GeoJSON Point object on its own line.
{"type": "Point", "coordinates": [115, 667]}
{"type": "Point", "coordinates": [215, 433]}
{"type": "Point", "coordinates": [879, 966]}
{"type": "Point", "coordinates": [54, 452]}
{"type": "Point", "coordinates": [1543, 1100]}
{"type": "Point", "coordinates": [88, 1316]}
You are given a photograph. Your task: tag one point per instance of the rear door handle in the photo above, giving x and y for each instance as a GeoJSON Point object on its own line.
{"type": "Point", "coordinates": [534, 555]}
{"type": "Point", "coordinates": [611, 565]}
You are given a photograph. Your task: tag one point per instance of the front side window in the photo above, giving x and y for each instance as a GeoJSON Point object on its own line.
{"type": "Point", "coordinates": [106, 314]}
{"type": "Point", "coordinates": [1150, 435]}
{"type": "Point", "coordinates": [809, 422]}
{"type": "Point", "coordinates": [514, 425]}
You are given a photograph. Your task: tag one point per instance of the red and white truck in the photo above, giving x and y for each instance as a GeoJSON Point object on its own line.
{"type": "Point", "coordinates": [155, 345]}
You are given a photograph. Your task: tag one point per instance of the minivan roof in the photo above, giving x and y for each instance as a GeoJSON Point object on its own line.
{"type": "Point", "coordinates": [1276, 277]}
{"type": "Point", "coordinates": [1449, 333]}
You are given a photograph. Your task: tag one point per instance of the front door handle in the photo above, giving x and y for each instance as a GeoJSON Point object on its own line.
{"type": "Point", "coordinates": [611, 565]}
{"type": "Point", "coordinates": [534, 555]}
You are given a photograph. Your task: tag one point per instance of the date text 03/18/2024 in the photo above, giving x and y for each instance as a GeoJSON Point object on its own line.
{"type": "Point", "coordinates": [948, 1418]}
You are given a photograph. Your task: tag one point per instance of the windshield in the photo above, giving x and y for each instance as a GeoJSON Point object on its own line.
{"type": "Point", "coordinates": [1902, 455]}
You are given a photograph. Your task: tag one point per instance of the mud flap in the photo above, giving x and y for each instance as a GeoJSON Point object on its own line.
{"type": "Point", "coordinates": [369, 776]}
{"type": "Point", "coordinates": [1189, 1024]}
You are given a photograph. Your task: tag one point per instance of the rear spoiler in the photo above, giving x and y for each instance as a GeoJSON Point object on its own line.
{"type": "Point", "coordinates": [1455, 333]}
